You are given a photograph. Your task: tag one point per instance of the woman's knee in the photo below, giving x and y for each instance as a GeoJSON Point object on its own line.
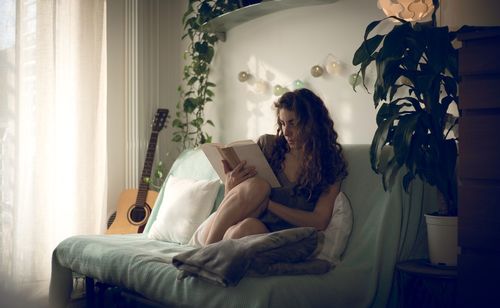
{"type": "Point", "coordinates": [248, 226]}
{"type": "Point", "coordinates": [257, 187]}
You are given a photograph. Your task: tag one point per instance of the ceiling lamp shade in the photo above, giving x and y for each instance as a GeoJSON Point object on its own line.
{"type": "Point", "coordinates": [409, 10]}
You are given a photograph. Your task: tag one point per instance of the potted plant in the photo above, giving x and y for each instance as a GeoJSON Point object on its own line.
{"type": "Point", "coordinates": [416, 82]}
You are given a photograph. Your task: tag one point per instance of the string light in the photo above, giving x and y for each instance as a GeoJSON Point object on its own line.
{"type": "Point", "coordinates": [316, 71]}
{"type": "Point", "coordinates": [333, 66]}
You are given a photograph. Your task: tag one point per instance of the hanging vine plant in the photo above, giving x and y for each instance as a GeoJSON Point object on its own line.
{"type": "Point", "coordinates": [196, 90]}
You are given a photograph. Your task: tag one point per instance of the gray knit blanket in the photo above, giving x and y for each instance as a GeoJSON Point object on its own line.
{"type": "Point", "coordinates": [225, 263]}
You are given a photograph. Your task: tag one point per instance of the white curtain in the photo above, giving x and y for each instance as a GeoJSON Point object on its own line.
{"type": "Point", "coordinates": [52, 131]}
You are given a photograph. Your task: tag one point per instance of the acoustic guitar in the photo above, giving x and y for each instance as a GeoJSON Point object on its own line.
{"type": "Point", "coordinates": [131, 217]}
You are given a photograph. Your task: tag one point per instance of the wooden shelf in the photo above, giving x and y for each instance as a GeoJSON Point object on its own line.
{"type": "Point", "coordinates": [224, 22]}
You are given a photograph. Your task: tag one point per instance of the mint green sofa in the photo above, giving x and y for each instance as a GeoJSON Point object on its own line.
{"type": "Point", "coordinates": [388, 228]}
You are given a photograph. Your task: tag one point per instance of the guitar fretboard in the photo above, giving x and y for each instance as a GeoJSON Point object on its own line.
{"type": "Point", "coordinates": [146, 171]}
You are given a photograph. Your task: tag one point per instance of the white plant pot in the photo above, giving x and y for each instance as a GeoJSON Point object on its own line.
{"type": "Point", "coordinates": [442, 237]}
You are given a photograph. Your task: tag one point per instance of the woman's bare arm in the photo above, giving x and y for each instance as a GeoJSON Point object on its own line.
{"type": "Point", "coordinates": [319, 218]}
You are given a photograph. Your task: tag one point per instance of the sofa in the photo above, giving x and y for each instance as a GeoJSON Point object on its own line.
{"type": "Point", "coordinates": [387, 228]}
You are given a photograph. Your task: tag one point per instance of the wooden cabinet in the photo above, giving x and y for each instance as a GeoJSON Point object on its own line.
{"type": "Point", "coordinates": [479, 169]}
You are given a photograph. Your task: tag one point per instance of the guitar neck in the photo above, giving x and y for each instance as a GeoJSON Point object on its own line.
{"type": "Point", "coordinates": [146, 170]}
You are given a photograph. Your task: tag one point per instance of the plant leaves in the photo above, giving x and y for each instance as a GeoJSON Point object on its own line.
{"type": "Point", "coordinates": [408, 177]}
{"type": "Point", "coordinates": [387, 114]}
{"type": "Point", "coordinates": [189, 105]}
{"type": "Point", "coordinates": [366, 49]}
{"type": "Point", "coordinates": [177, 123]}
{"type": "Point", "coordinates": [403, 134]}
{"type": "Point", "coordinates": [177, 138]}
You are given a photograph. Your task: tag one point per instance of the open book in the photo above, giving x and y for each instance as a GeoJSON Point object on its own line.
{"type": "Point", "coordinates": [234, 153]}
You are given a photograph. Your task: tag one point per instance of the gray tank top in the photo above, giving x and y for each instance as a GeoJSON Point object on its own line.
{"type": "Point", "coordinates": [284, 195]}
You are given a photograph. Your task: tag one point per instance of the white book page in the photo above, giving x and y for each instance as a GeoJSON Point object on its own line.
{"type": "Point", "coordinates": [253, 155]}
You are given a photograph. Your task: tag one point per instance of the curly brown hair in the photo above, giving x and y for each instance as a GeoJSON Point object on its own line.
{"type": "Point", "coordinates": [323, 162]}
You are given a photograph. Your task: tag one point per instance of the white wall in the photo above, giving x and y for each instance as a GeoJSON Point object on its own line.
{"type": "Point", "coordinates": [159, 74]}
{"type": "Point", "coordinates": [171, 64]}
{"type": "Point", "coordinates": [282, 47]}
{"type": "Point", "coordinates": [278, 48]}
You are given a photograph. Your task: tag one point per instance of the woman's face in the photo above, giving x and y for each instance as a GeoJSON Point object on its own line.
{"type": "Point", "coordinates": [289, 126]}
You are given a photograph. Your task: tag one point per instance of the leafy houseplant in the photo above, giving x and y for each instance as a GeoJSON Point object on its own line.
{"type": "Point", "coordinates": [196, 90]}
{"type": "Point", "coordinates": [417, 78]}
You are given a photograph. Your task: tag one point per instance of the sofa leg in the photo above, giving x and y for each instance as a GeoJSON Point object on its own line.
{"type": "Point", "coordinates": [89, 292]}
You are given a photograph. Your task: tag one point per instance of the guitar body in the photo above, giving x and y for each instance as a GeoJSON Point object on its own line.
{"type": "Point", "coordinates": [134, 206]}
{"type": "Point", "coordinates": [125, 222]}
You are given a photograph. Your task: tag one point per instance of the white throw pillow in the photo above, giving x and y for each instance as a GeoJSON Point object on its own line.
{"type": "Point", "coordinates": [199, 236]}
{"type": "Point", "coordinates": [185, 205]}
{"type": "Point", "coordinates": [338, 231]}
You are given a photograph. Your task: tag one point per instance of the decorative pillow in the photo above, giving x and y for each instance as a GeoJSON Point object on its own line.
{"type": "Point", "coordinates": [338, 231]}
{"type": "Point", "coordinates": [199, 236]}
{"type": "Point", "coordinates": [185, 205]}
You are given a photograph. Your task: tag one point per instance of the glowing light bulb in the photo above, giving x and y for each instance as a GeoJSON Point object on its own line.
{"type": "Point", "coordinates": [354, 79]}
{"type": "Point", "coordinates": [260, 86]}
{"type": "Point", "coordinates": [333, 65]}
{"type": "Point", "coordinates": [298, 84]}
{"type": "Point", "coordinates": [316, 71]}
{"type": "Point", "coordinates": [278, 90]}
{"type": "Point", "coordinates": [243, 76]}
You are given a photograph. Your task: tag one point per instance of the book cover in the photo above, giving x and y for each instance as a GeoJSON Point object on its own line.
{"type": "Point", "coordinates": [236, 152]}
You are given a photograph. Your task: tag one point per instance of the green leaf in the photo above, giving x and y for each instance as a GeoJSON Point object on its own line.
{"type": "Point", "coordinates": [191, 81]}
{"type": "Point", "coordinates": [189, 105]}
{"type": "Point", "coordinates": [370, 27]}
{"type": "Point", "coordinates": [201, 47]}
{"type": "Point", "coordinates": [198, 122]}
{"type": "Point", "coordinates": [204, 11]}
{"type": "Point", "coordinates": [380, 136]}
{"type": "Point", "coordinates": [409, 176]}
{"type": "Point", "coordinates": [200, 68]}
{"type": "Point", "coordinates": [364, 65]}
{"type": "Point", "coordinates": [394, 42]}
{"type": "Point", "coordinates": [208, 54]}
{"type": "Point", "coordinates": [210, 122]}
{"type": "Point", "coordinates": [446, 101]}
{"type": "Point", "coordinates": [438, 47]}
{"type": "Point", "coordinates": [177, 138]}
{"type": "Point", "coordinates": [403, 135]}
{"type": "Point", "coordinates": [366, 49]}
{"type": "Point", "coordinates": [389, 174]}
{"type": "Point", "coordinates": [450, 85]}
{"type": "Point", "coordinates": [187, 13]}
{"type": "Point", "coordinates": [415, 47]}
{"type": "Point", "coordinates": [199, 102]}
{"type": "Point", "coordinates": [177, 123]}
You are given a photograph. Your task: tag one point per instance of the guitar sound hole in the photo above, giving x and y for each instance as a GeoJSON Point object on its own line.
{"type": "Point", "coordinates": [138, 214]}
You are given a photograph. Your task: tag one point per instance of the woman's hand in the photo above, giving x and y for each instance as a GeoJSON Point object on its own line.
{"type": "Point", "coordinates": [239, 174]}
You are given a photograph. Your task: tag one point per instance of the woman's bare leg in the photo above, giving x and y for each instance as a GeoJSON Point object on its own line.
{"type": "Point", "coordinates": [247, 226]}
{"type": "Point", "coordinates": [248, 199]}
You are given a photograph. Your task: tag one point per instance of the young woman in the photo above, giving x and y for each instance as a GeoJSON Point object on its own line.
{"type": "Point", "coordinates": [308, 162]}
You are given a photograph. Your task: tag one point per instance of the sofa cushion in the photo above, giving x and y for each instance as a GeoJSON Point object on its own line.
{"type": "Point", "coordinates": [186, 203]}
{"type": "Point", "coordinates": [338, 230]}
{"type": "Point", "coordinates": [191, 164]}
